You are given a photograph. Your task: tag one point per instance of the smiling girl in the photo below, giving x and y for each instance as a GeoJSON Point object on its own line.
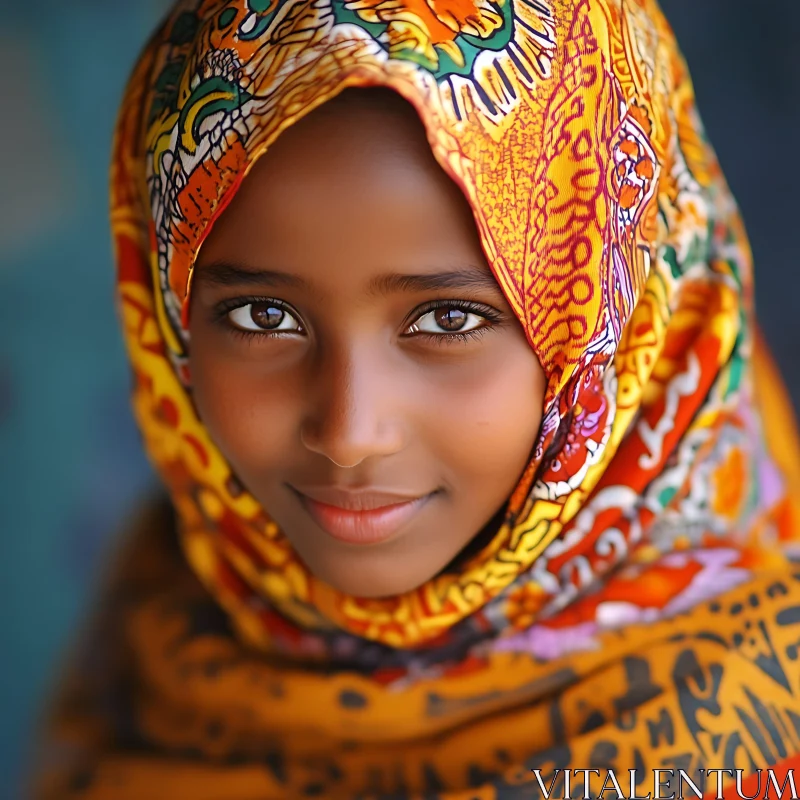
{"type": "Point", "coordinates": [343, 303]}
{"type": "Point", "coordinates": [440, 318]}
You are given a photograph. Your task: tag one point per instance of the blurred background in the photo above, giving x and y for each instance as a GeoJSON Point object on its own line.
{"type": "Point", "coordinates": [71, 461]}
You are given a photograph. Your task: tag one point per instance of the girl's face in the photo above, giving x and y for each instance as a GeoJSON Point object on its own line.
{"type": "Point", "coordinates": [353, 357]}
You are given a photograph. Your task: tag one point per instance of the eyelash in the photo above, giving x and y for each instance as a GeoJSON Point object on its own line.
{"type": "Point", "coordinates": [491, 315]}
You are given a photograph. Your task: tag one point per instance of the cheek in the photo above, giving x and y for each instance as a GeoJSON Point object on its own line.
{"type": "Point", "coordinates": [488, 422]}
{"type": "Point", "coordinates": [252, 421]}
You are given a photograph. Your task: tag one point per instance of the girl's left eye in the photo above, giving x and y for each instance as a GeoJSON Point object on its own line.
{"type": "Point", "coordinates": [263, 317]}
{"type": "Point", "coordinates": [449, 319]}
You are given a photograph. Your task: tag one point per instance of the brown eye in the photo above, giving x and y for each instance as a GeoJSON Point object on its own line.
{"type": "Point", "coordinates": [265, 316]}
{"type": "Point", "coordinates": [448, 319]}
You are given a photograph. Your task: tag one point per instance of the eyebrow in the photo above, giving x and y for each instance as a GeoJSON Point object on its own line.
{"type": "Point", "coordinates": [222, 273]}
{"type": "Point", "coordinates": [465, 278]}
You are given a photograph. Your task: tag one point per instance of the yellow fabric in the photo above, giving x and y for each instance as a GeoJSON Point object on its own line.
{"type": "Point", "coordinates": [715, 688]}
{"type": "Point", "coordinates": [638, 607]}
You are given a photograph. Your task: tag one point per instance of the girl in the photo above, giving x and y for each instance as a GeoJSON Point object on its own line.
{"type": "Point", "coordinates": [440, 317]}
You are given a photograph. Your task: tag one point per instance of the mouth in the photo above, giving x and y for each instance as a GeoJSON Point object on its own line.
{"type": "Point", "coordinates": [361, 517]}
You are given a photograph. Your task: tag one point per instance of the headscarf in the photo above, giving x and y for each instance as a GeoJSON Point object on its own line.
{"type": "Point", "coordinates": [637, 607]}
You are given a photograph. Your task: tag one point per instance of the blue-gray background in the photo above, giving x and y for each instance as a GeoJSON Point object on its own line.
{"type": "Point", "coordinates": [72, 467]}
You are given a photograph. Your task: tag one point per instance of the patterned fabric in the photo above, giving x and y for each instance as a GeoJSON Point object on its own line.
{"type": "Point", "coordinates": [637, 607]}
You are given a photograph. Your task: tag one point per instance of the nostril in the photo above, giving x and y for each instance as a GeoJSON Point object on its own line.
{"type": "Point", "coordinates": [347, 446]}
{"type": "Point", "coordinates": [332, 444]}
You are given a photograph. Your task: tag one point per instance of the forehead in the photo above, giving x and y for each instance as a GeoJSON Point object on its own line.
{"type": "Point", "coordinates": [353, 183]}
{"type": "Point", "coordinates": [364, 142]}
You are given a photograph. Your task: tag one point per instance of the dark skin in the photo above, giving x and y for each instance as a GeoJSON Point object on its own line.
{"type": "Point", "coordinates": [346, 332]}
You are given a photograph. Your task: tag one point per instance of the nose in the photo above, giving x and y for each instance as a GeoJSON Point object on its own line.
{"type": "Point", "coordinates": [353, 415]}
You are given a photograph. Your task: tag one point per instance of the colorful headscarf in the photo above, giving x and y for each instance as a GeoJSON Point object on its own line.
{"type": "Point", "coordinates": [647, 536]}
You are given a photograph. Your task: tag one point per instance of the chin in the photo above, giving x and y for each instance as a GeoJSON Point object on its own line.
{"type": "Point", "coordinates": [373, 582]}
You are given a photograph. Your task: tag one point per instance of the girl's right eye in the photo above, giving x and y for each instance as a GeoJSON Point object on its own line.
{"type": "Point", "coordinates": [263, 317]}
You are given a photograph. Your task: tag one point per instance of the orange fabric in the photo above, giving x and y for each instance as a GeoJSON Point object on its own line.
{"type": "Point", "coordinates": [775, 782]}
{"type": "Point", "coordinates": [638, 607]}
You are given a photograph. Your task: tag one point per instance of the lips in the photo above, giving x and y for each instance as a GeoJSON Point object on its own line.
{"type": "Point", "coordinates": [360, 517]}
